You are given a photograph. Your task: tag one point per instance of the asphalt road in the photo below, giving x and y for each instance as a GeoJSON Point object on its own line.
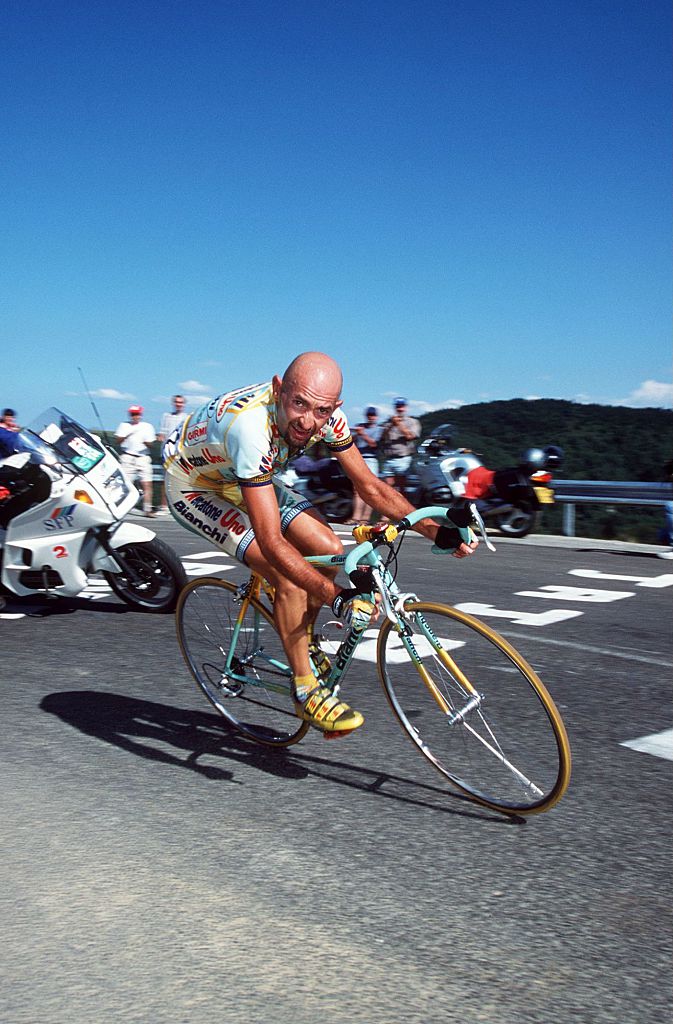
{"type": "Point", "coordinates": [157, 868]}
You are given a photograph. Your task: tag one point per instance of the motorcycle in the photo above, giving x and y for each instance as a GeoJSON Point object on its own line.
{"type": "Point", "coordinates": [72, 525]}
{"type": "Point", "coordinates": [323, 483]}
{"type": "Point", "coordinates": [440, 471]}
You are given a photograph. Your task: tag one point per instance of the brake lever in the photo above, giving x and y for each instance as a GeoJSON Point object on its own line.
{"type": "Point", "coordinates": [479, 523]}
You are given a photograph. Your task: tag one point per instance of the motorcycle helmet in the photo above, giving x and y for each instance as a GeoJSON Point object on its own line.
{"type": "Point", "coordinates": [441, 439]}
{"type": "Point", "coordinates": [553, 457]}
{"type": "Point", "coordinates": [533, 459]}
{"type": "Point", "coordinates": [536, 459]}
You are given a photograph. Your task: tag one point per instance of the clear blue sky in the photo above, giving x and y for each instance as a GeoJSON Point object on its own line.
{"type": "Point", "coordinates": [461, 201]}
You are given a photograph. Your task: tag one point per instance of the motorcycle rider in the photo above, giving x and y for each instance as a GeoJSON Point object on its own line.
{"type": "Point", "coordinates": [220, 484]}
{"type": "Point", "coordinates": [22, 482]}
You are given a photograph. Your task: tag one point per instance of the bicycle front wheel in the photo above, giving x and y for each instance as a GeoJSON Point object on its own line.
{"type": "Point", "coordinates": [238, 661]}
{"type": "Point", "coordinates": [475, 709]}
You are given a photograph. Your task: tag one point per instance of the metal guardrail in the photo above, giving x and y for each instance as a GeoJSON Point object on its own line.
{"type": "Point", "coordinates": [570, 493]}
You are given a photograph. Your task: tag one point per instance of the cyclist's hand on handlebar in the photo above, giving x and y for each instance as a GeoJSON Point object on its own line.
{"type": "Point", "coordinates": [450, 542]}
{"type": "Point", "coordinates": [357, 600]}
{"type": "Point", "coordinates": [457, 540]}
{"type": "Point", "coordinates": [349, 604]}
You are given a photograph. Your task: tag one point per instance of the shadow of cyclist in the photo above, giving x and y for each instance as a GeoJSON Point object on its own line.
{"type": "Point", "coordinates": [148, 729]}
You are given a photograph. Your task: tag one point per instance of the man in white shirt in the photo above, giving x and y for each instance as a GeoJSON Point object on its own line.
{"type": "Point", "coordinates": [135, 438]}
{"type": "Point", "coordinates": [170, 421]}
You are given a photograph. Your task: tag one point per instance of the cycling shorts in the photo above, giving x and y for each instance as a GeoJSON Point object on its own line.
{"type": "Point", "coordinates": [207, 514]}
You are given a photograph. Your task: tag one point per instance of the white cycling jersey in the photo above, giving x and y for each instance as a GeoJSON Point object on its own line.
{"type": "Point", "coordinates": [233, 442]}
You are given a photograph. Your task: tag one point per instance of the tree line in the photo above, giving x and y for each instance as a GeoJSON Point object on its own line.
{"type": "Point", "coordinates": [600, 442]}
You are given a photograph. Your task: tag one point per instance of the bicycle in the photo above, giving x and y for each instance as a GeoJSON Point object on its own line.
{"type": "Point", "coordinates": [454, 684]}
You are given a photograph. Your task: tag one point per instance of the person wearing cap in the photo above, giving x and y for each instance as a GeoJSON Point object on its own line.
{"type": "Point", "coordinates": [8, 420]}
{"type": "Point", "coordinates": [366, 438]}
{"type": "Point", "coordinates": [135, 436]}
{"type": "Point", "coordinates": [397, 445]}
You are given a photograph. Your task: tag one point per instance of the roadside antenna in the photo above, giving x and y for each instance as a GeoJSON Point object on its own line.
{"type": "Point", "coordinates": [93, 404]}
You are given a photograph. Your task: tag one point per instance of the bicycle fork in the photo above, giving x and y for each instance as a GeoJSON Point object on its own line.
{"type": "Point", "coordinates": [454, 715]}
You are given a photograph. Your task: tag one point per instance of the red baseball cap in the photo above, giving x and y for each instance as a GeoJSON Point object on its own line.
{"type": "Point", "coordinates": [135, 410]}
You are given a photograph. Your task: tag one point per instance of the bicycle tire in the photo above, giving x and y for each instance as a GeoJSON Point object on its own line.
{"type": "Point", "coordinates": [514, 727]}
{"type": "Point", "coordinates": [257, 701]}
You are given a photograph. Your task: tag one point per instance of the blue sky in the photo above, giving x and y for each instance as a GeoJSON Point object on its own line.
{"type": "Point", "coordinates": [460, 200]}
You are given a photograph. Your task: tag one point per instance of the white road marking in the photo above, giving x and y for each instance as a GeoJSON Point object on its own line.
{"type": "Point", "coordinates": [658, 743]}
{"type": "Point", "coordinates": [203, 569]}
{"type": "Point", "coordinates": [605, 651]}
{"type": "Point", "coordinates": [206, 554]}
{"type": "Point", "coordinates": [656, 582]}
{"type": "Point", "coordinates": [396, 652]}
{"type": "Point", "coordinates": [558, 593]}
{"type": "Point", "coordinates": [521, 618]}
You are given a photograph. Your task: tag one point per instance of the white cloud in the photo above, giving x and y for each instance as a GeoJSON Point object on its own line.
{"type": "Point", "coordinates": [650, 393]}
{"type": "Point", "coordinates": [124, 396]}
{"type": "Point", "coordinates": [417, 407]}
{"type": "Point", "coordinates": [195, 386]}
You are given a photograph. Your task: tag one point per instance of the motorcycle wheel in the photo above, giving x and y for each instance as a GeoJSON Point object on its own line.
{"type": "Point", "coordinates": [161, 572]}
{"type": "Point", "coordinates": [517, 523]}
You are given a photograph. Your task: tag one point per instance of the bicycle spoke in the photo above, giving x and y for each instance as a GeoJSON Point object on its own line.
{"type": "Point", "coordinates": [501, 739]}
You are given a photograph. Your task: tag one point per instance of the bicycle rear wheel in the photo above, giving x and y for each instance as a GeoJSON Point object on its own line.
{"type": "Point", "coordinates": [242, 671]}
{"type": "Point", "coordinates": [506, 748]}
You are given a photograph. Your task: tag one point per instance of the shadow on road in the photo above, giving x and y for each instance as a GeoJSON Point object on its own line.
{"type": "Point", "coordinates": [147, 729]}
{"type": "Point", "coordinates": [41, 607]}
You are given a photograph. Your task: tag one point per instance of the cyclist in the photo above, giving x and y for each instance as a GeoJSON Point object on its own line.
{"type": "Point", "coordinates": [220, 484]}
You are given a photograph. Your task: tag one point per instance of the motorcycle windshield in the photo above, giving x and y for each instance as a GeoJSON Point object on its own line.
{"type": "Point", "coordinates": [53, 437]}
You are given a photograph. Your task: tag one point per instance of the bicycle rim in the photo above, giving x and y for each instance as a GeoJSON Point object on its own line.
{"type": "Point", "coordinates": [506, 748]}
{"type": "Point", "coordinates": [243, 672]}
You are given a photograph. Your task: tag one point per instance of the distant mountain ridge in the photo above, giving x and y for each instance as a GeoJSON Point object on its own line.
{"type": "Point", "coordinates": [600, 442]}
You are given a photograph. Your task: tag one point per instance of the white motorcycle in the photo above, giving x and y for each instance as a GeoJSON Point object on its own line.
{"type": "Point", "coordinates": [77, 526]}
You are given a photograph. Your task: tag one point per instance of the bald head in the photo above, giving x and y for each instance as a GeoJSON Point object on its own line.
{"type": "Point", "coordinates": [317, 370]}
{"type": "Point", "coordinates": [306, 396]}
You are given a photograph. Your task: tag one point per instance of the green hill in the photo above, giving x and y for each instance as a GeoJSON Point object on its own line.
{"type": "Point", "coordinates": [601, 442]}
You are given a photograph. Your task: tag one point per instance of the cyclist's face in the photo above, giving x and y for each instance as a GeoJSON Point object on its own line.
{"type": "Point", "coordinates": [302, 408]}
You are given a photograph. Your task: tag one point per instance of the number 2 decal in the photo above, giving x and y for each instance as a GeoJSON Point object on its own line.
{"type": "Point", "coordinates": [60, 551]}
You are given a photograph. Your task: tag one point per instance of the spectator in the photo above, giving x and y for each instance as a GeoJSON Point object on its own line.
{"type": "Point", "coordinates": [8, 420]}
{"type": "Point", "coordinates": [366, 436]}
{"type": "Point", "coordinates": [135, 438]}
{"type": "Point", "coordinates": [170, 421]}
{"type": "Point", "coordinates": [397, 445]}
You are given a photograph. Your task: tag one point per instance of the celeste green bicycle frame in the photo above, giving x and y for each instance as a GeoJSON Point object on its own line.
{"type": "Point", "coordinates": [392, 601]}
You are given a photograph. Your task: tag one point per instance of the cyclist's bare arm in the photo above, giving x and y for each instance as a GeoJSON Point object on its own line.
{"type": "Point", "coordinates": [385, 499]}
{"type": "Point", "coordinates": [279, 553]}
